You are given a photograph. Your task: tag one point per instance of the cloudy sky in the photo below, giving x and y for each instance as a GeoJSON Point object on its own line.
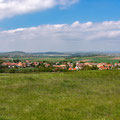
{"type": "Point", "coordinates": [59, 25]}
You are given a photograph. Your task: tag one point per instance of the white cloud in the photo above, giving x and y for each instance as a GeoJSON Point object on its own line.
{"type": "Point", "coordinates": [63, 37]}
{"type": "Point", "coordinates": [9, 8]}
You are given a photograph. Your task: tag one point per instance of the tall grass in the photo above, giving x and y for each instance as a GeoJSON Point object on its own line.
{"type": "Point", "coordinates": [82, 95]}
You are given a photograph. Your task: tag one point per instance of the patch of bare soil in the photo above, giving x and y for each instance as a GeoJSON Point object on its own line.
{"type": "Point", "coordinates": [86, 60]}
{"type": "Point", "coordinates": [116, 58]}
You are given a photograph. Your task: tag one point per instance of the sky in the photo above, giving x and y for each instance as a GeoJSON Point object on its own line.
{"type": "Point", "coordinates": [59, 25]}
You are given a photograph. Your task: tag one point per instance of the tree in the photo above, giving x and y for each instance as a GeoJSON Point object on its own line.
{"type": "Point", "coordinates": [74, 65]}
{"type": "Point", "coordinates": [94, 67]}
{"type": "Point", "coordinates": [16, 61]}
{"type": "Point", "coordinates": [1, 61]}
{"type": "Point", "coordinates": [2, 69]}
{"type": "Point", "coordinates": [86, 67]}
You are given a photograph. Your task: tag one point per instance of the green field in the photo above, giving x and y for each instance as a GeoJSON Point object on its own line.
{"type": "Point", "coordinates": [82, 95]}
{"type": "Point", "coordinates": [97, 59]}
{"type": "Point", "coordinates": [51, 59]}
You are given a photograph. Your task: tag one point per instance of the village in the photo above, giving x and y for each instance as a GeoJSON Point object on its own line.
{"type": "Point", "coordinates": [79, 65]}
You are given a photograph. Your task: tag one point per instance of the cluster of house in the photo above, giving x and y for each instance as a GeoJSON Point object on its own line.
{"type": "Point", "coordinates": [64, 65]}
{"type": "Point", "coordinates": [21, 64]}
{"type": "Point", "coordinates": [100, 66]}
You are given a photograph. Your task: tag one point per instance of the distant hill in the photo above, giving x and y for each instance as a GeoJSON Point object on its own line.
{"type": "Point", "coordinates": [50, 54]}
{"type": "Point", "coordinates": [17, 52]}
{"type": "Point", "coordinates": [13, 54]}
{"type": "Point", "coordinates": [24, 54]}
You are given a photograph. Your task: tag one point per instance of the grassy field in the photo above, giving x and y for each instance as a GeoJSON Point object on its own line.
{"type": "Point", "coordinates": [83, 95]}
{"type": "Point", "coordinates": [51, 59]}
{"type": "Point", "coordinates": [97, 59]}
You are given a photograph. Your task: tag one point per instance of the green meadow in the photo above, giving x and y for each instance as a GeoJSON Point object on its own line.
{"type": "Point", "coordinates": [97, 59]}
{"type": "Point", "coordinates": [82, 95]}
{"type": "Point", "coordinates": [33, 59]}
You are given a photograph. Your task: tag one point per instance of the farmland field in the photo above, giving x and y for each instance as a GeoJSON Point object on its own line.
{"type": "Point", "coordinates": [82, 95]}
{"type": "Point", "coordinates": [52, 59]}
{"type": "Point", "coordinates": [97, 59]}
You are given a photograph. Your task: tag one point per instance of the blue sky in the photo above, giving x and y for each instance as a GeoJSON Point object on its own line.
{"type": "Point", "coordinates": [83, 11]}
{"type": "Point", "coordinates": [59, 25]}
